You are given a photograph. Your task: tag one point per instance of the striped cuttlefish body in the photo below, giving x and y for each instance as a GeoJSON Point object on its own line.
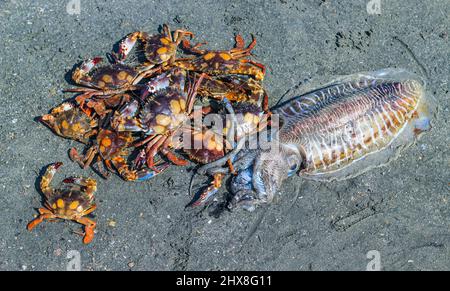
{"type": "Point", "coordinates": [349, 120]}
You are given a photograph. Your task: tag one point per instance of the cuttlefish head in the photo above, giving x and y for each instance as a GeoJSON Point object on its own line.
{"type": "Point", "coordinates": [272, 167]}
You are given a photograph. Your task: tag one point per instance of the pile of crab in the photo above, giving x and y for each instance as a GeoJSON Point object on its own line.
{"type": "Point", "coordinates": [161, 102]}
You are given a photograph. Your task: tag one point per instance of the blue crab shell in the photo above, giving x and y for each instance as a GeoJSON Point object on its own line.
{"type": "Point", "coordinates": [355, 123]}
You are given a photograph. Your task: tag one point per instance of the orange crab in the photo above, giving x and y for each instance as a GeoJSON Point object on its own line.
{"type": "Point", "coordinates": [209, 146]}
{"type": "Point", "coordinates": [159, 50]}
{"type": "Point", "coordinates": [73, 201]}
{"type": "Point", "coordinates": [72, 122]}
{"type": "Point", "coordinates": [224, 62]}
{"type": "Point", "coordinates": [235, 89]}
{"type": "Point", "coordinates": [104, 81]}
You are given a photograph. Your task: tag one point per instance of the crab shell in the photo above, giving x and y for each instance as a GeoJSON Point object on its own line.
{"type": "Point", "coordinates": [70, 201]}
{"type": "Point", "coordinates": [207, 146]}
{"type": "Point", "coordinates": [159, 49]}
{"type": "Point", "coordinates": [112, 143]}
{"type": "Point", "coordinates": [248, 116]}
{"type": "Point", "coordinates": [165, 112]}
{"type": "Point", "coordinates": [70, 122]}
{"type": "Point", "coordinates": [112, 77]}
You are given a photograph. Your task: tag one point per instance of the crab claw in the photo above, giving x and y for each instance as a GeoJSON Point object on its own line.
{"type": "Point", "coordinates": [203, 196]}
{"type": "Point", "coordinates": [57, 165]}
{"type": "Point", "coordinates": [69, 180]}
{"type": "Point", "coordinates": [86, 66]}
{"type": "Point", "coordinates": [144, 175]}
{"type": "Point", "coordinates": [125, 46]}
{"type": "Point", "coordinates": [49, 119]}
{"type": "Point", "coordinates": [140, 159]}
{"type": "Point", "coordinates": [123, 120]}
{"type": "Point", "coordinates": [89, 235]}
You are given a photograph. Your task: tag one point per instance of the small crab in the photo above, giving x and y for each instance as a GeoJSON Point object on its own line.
{"type": "Point", "coordinates": [159, 49]}
{"type": "Point", "coordinates": [112, 148]}
{"type": "Point", "coordinates": [235, 89]}
{"type": "Point", "coordinates": [161, 118]}
{"type": "Point", "coordinates": [72, 122]}
{"type": "Point", "coordinates": [73, 201]}
{"type": "Point", "coordinates": [104, 81]}
{"type": "Point", "coordinates": [224, 62]}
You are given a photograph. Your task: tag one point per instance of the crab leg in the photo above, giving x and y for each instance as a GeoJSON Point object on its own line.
{"type": "Point", "coordinates": [101, 168]}
{"type": "Point", "coordinates": [193, 92]}
{"type": "Point", "coordinates": [89, 227]}
{"type": "Point", "coordinates": [90, 157]}
{"type": "Point", "coordinates": [240, 44]}
{"type": "Point", "coordinates": [171, 156]}
{"type": "Point", "coordinates": [239, 51]}
{"type": "Point", "coordinates": [106, 93]}
{"type": "Point", "coordinates": [210, 191]}
{"type": "Point", "coordinates": [43, 215]}
{"type": "Point", "coordinates": [151, 139]}
{"type": "Point", "coordinates": [153, 149]}
{"type": "Point", "coordinates": [81, 99]}
{"type": "Point", "coordinates": [140, 160]}
{"type": "Point", "coordinates": [109, 165]}
{"type": "Point", "coordinates": [186, 45]}
{"type": "Point", "coordinates": [84, 161]}
{"type": "Point", "coordinates": [259, 65]}
{"type": "Point", "coordinates": [146, 73]}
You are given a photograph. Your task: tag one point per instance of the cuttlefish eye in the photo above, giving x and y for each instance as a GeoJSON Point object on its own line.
{"type": "Point", "coordinates": [292, 170]}
{"type": "Point", "coordinates": [294, 165]}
